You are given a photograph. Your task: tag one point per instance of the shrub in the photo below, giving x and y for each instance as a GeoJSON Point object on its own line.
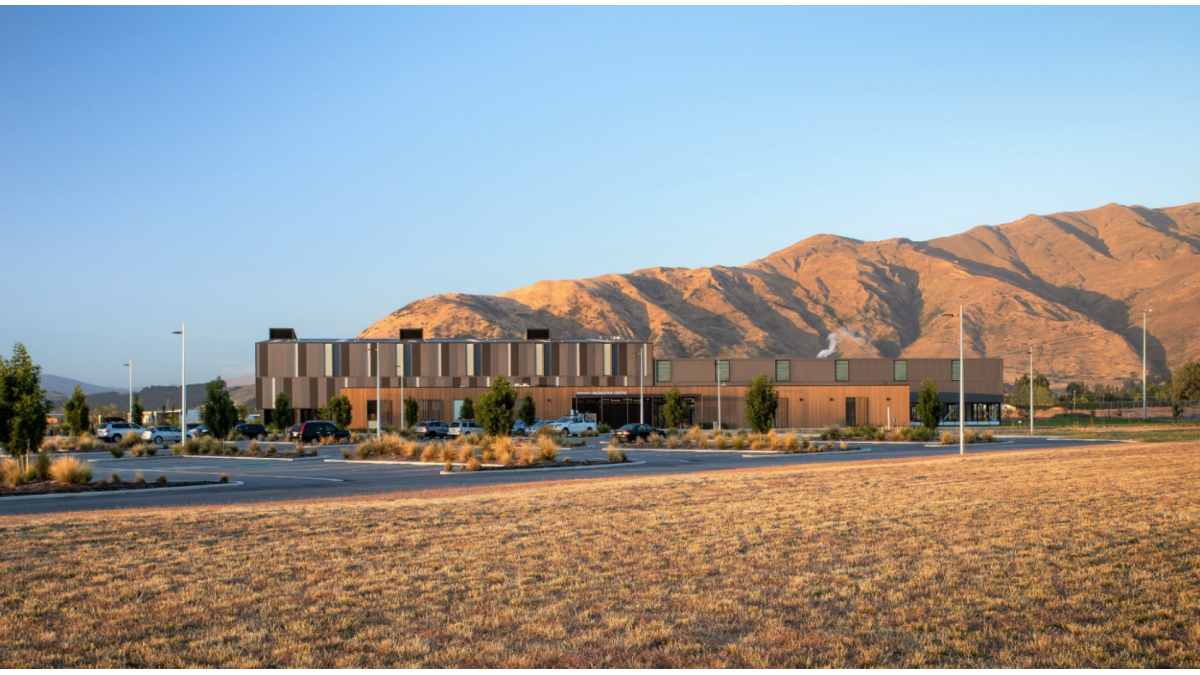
{"type": "Point", "coordinates": [588, 433]}
{"type": "Point", "coordinates": [271, 450]}
{"type": "Point", "coordinates": [449, 466]}
{"type": "Point", "coordinates": [923, 434]}
{"type": "Point", "coordinates": [655, 440]}
{"type": "Point", "coordinates": [465, 453]}
{"type": "Point", "coordinates": [673, 441]}
{"type": "Point", "coordinates": [114, 477]}
{"type": "Point", "coordinates": [138, 478]}
{"type": "Point", "coordinates": [136, 451]}
{"type": "Point", "coordinates": [177, 449]}
{"type": "Point", "coordinates": [880, 435]}
{"type": "Point", "coordinates": [503, 445]}
{"type": "Point", "coordinates": [474, 464]}
{"type": "Point", "coordinates": [947, 438]}
{"type": "Point", "coordinates": [773, 441]}
{"type": "Point", "coordinates": [224, 478]}
{"type": "Point", "coordinates": [71, 471]}
{"type": "Point", "coordinates": [969, 436]}
{"type": "Point", "coordinates": [11, 474]}
{"type": "Point", "coordinates": [762, 400]}
{"type": "Point", "coordinates": [617, 456]}
{"type": "Point", "coordinates": [254, 448]}
{"type": "Point", "coordinates": [151, 451]}
{"type": "Point", "coordinates": [831, 433]}
{"type": "Point", "coordinates": [841, 445]}
{"type": "Point", "coordinates": [738, 442]}
{"type": "Point", "coordinates": [347, 453]}
{"type": "Point", "coordinates": [447, 453]}
{"type": "Point", "coordinates": [547, 449]}
{"type": "Point", "coordinates": [506, 455]}
{"type": "Point", "coordinates": [432, 451]}
{"type": "Point", "coordinates": [604, 429]}
{"type": "Point", "coordinates": [989, 437]}
{"type": "Point", "coordinates": [161, 480]}
{"type": "Point", "coordinates": [721, 442]}
{"type": "Point", "coordinates": [756, 442]}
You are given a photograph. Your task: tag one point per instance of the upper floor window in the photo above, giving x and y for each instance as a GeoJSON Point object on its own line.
{"type": "Point", "coordinates": [401, 360]}
{"type": "Point", "coordinates": [330, 365]}
{"type": "Point", "coordinates": [783, 371]}
{"type": "Point", "coordinates": [900, 371]}
{"type": "Point", "coordinates": [956, 370]}
{"type": "Point", "coordinates": [662, 371]}
{"type": "Point", "coordinates": [841, 371]}
{"type": "Point", "coordinates": [611, 354]}
{"type": "Point", "coordinates": [539, 360]}
{"type": "Point", "coordinates": [722, 371]}
{"type": "Point", "coordinates": [474, 359]}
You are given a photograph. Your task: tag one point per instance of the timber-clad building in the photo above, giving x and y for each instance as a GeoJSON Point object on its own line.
{"type": "Point", "coordinates": [602, 377]}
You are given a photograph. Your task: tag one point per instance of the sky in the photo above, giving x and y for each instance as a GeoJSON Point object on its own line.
{"type": "Point", "coordinates": [318, 168]}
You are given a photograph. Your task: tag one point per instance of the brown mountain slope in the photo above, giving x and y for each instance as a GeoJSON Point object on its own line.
{"type": "Point", "coordinates": [1072, 284]}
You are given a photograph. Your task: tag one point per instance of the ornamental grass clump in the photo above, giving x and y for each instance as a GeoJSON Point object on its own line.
{"type": "Point", "coordinates": [11, 474]}
{"type": "Point", "coordinates": [720, 442]}
{"type": "Point", "coordinates": [655, 440]}
{"type": "Point", "coordinates": [254, 448]}
{"type": "Point", "coordinates": [465, 454]}
{"type": "Point", "coordinates": [947, 438]}
{"type": "Point", "coordinates": [738, 442]}
{"type": "Point", "coordinates": [473, 464]}
{"type": "Point", "coordinates": [617, 456]}
{"type": "Point", "coordinates": [138, 478]}
{"type": "Point", "coordinates": [831, 433]}
{"type": "Point", "coordinates": [547, 449]}
{"type": "Point", "coordinates": [773, 441]}
{"type": "Point", "coordinates": [969, 436]}
{"type": "Point", "coordinates": [988, 437]}
{"type": "Point", "coordinates": [70, 471]}
{"type": "Point", "coordinates": [432, 452]}
{"type": "Point", "coordinates": [791, 442]}
{"type": "Point", "coordinates": [161, 480]}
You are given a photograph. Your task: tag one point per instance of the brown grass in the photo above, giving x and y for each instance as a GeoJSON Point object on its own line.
{"type": "Point", "coordinates": [1082, 557]}
{"type": "Point", "coordinates": [70, 471]}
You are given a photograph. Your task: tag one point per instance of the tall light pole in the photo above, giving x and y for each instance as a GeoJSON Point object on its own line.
{"type": "Point", "coordinates": [182, 380]}
{"type": "Point", "coordinates": [1030, 390]}
{"type": "Point", "coordinates": [378, 403]}
{"type": "Point", "coordinates": [717, 375]}
{"type": "Point", "coordinates": [130, 367]}
{"type": "Point", "coordinates": [1145, 311]}
{"type": "Point", "coordinates": [641, 354]}
{"type": "Point", "coordinates": [403, 374]}
{"type": "Point", "coordinates": [962, 396]}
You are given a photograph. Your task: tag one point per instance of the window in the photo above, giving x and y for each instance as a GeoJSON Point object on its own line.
{"type": "Point", "coordinates": [330, 355]}
{"type": "Point", "coordinates": [662, 371]}
{"type": "Point", "coordinates": [900, 371]}
{"type": "Point", "coordinates": [783, 371]}
{"type": "Point", "coordinates": [474, 359]}
{"type": "Point", "coordinates": [402, 356]}
{"type": "Point", "coordinates": [841, 371]}
{"type": "Point", "coordinates": [956, 370]}
{"type": "Point", "coordinates": [539, 360]}
{"type": "Point", "coordinates": [722, 371]}
{"type": "Point", "coordinates": [610, 359]}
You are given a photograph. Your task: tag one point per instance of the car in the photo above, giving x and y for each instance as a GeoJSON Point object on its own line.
{"type": "Point", "coordinates": [433, 429]}
{"type": "Point", "coordinates": [321, 429]}
{"type": "Point", "coordinates": [197, 431]}
{"type": "Point", "coordinates": [294, 431]}
{"type": "Point", "coordinates": [633, 432]}
{"type": "Point", "coordinates": [572, 425]}
{"type": "Point", "coordinates": [252, 431]}
{"type": "Point", "coordinates": [464, 427]}
{"type": "Point", "coordinates": [518, 428]}
{"type": "Point", "coordinates": [114, 432]}
{"type": "Point", "coordinates": [537, 426]}
{"type": "Point", "coordinates": [162, 433]}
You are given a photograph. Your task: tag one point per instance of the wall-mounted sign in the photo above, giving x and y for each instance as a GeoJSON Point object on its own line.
{"type": "Point", "coordinates": [603, 393]}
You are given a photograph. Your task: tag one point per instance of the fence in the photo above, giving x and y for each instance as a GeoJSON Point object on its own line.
{"type": "Point", "coordinates": [1189, 411]}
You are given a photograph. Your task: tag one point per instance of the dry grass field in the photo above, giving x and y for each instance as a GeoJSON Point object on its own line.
{"type": "Point", "coordinates": [1068, 558]}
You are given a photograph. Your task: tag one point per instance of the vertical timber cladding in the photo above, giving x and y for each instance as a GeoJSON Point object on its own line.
{"type": "Point", "coordinates": [800, 406]}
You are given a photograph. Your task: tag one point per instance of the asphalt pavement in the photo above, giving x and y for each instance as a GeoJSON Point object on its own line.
{"type": "Point", "coordinates": [276, 480]}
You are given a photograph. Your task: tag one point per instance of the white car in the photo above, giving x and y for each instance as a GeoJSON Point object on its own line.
{"type": "Point", "coordinates": [115, 431]}
{"type": "Point", "coordinates": [162, 434]}
{"type": "Point", "coordinates": [464, 427]}
{"type": "Point", "coordinates": [572, 425]}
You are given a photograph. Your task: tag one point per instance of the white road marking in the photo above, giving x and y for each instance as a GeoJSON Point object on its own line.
{"type": "Point", "coordinates": [257, 475]}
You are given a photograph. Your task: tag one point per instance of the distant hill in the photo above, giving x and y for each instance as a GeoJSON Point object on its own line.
{"type": "Point", "coordinates": [156, 397]}
{"type": "Point", "coordinates": [66, 386]}
{"type": "Point", "coordinates": [1072, 284]}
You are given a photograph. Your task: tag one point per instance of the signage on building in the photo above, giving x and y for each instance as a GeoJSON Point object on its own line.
{"type": "Point", "coordinates": [603, 393]}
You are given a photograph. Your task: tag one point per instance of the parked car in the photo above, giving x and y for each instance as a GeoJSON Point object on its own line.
{"type": "Point", "coordinates": [537, 426]}
{"type": "Point", "coordinates": [316, 430]}
{"type": "Point", "coordinates": [114, 432]}
{"type": "Point", "coordinates": [162, 434]}
{"type": "Point", "coordinates": [250, 430]}
{"type": "Point", "coordinates": [433, 429]}
{"type": "Point", "coordinates": [572, 425]}
{"type": "Point", "coordinates": [633, 432]}
{"type": "Point", "coordinates": [197, 431]}
{"type": "Point", "coordinates": [464, 427]}
{"type": "Point", "coordinates": [294, 432]}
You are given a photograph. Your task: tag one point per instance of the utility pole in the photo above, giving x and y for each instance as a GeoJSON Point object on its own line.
{"type": "Point", "coordinates": [717, 374]}
{"type": "Point", "coordinates": [641, 388]}
{"type": "Point", "coordinates": [183, 381]}
{"type": "Point", "coordinates": [378, 404]}
{"type": "Point", "coordinates": [962, 388]}
{"type": "Point", "coordinates": [403, 374]}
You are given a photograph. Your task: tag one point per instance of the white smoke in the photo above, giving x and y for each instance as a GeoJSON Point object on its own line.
{"type": "Point", "coordinates": [833, 339]}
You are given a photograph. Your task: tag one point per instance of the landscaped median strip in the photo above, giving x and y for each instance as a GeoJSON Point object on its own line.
{"type": "Point", "coordinates": [105, 493]}
{"type": "Point", "coordinates": [488, 468]}
{"type": "Point", "coordinates": [250, 457]}
{"type": "Point", "coordinates": [605, 465]}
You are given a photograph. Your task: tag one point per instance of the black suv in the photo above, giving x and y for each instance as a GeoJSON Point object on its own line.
{"type": "Point", "coordinates": [311, 431]}
{"type": "Point", "coordinates": [252, 431]}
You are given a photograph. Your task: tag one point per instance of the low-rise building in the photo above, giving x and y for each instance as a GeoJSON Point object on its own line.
{"type": "Point", "coordinates": [606, 378]}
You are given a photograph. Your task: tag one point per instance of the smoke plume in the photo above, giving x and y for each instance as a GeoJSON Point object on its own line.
{"type": "Point", "coordinates": [833, 339]}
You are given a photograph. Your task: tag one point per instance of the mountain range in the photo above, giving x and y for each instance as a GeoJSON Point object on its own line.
{"type": "Point", "coordinates": [1071, 284]}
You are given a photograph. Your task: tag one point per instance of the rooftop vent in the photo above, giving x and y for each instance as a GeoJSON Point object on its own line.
{"type": "Point", "coordinates": [537, 334]}
{"type": "Point", "coordinates": [412, 333]}
{"type": "Point", "coordinates": [283, 333]}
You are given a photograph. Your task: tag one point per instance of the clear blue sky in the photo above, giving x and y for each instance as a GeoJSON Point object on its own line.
{"type": "Point", "coordinates": [319, 168]}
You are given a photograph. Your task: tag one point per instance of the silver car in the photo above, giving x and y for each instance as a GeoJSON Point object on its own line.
{"type": "Point", "coordinates": [114, 432]}
{"type": "Point", "coordinates": [162, 434]}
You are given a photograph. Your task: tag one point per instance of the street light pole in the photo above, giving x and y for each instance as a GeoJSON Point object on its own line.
{"type": "Point", "coordinates": [1030, 390]}
{"type": "Point", "coordinates": [182, 380]}
{"type": "Point", "coordinates": [641, 353]}
{"type": "Point", "coordinates": [378, 402]}
{"type": "Point", "coordinates": [130, 367]}
{"type": "Point", "coordinates": [717, 374]}
{"type": "Point", "coordinates": [962, 396]}
{"type": "Point", "coordinates": [1145, 311]}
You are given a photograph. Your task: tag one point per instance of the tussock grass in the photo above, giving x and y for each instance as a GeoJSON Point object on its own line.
{"type": "Point", "coordinates": [1078, 557]}
{"type": "Point", "coordinates": [11, 474]}
{"type": "Point", "coordinates": [70, 471]}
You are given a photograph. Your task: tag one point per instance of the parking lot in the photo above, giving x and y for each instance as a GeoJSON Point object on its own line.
{"type": "Point", "coordinates": [275, 479]}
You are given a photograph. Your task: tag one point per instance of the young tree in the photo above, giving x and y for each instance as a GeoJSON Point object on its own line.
{"type": "Point", "coordinates": [218, 413]}
{"type": "Point", "coordinates": [674, 409]}
{"type": "Point", "coordinates": [110, 410]}
{"type": "Point", "coordinates": [136, 414]}
{"type": "Point", "coordinates": [528, 411]}
{"type": "Point", "coordinates": [23, 404]}
{"type": "Point", "coordinates": [495, 410]}
{"type": "Point", "coordinates": [76, 412]}
{"type": "Point", "coordinates": [243, 411]}
{"type": "Point", "coordinates": [281, 416]}
{"type": "Point", "coordinates": [342, 411]}
{"type": "Point", "coordinates": [929, 408]}
{"type": "Point", "coordinates": [762, 399]}
{"type": "Point", "coordinates": [467, 411]}
{"type": "Point", "coordinates": [411, 410]}
{"type": "Point", "coordinates": [1185, 384]}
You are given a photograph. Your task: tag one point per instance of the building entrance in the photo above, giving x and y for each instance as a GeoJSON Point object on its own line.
{"type": "Point", "coordinates": [615, 411]}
